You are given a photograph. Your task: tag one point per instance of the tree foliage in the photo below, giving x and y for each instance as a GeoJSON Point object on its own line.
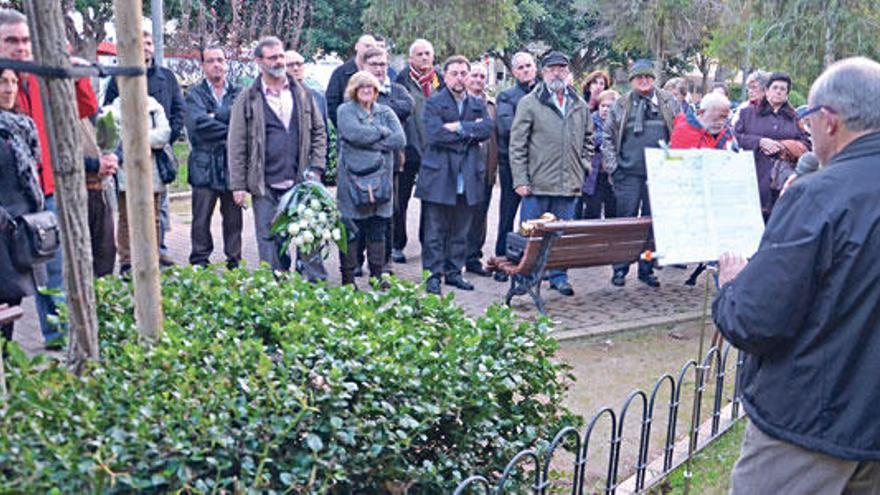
{"type": "Point", "coordinates": [453, 26]}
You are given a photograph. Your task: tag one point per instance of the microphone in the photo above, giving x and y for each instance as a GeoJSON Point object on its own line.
{"type": "Point", "coordinates": [807, 163]}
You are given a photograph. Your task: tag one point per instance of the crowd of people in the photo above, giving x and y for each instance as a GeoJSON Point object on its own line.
{"type": "Point", "coordinates": [804, 307]}
{"type": "Point", "coordinates": [431, 132]}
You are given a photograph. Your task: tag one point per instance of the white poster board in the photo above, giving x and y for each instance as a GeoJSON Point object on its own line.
{"type": "Point", "coordinates": [704, 202]}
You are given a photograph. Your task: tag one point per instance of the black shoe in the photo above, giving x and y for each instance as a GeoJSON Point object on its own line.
{"type": "Point", "coordinates": [232, 264]}
{"type": "Point", "coordinates": [564, 288]}
{"type": "Point", "coordinates": [57, 344]}
{"type": "Point", "coordinates": [501, 276]}
{"type": "Point", "coordinates": [397, 256]}
{"type": "Point", "coordinates": [165, 261]}
{"type": "Point", "coordinates": [125, 269]}
{"type": "Point", "coordinates": [618, 279]}
{"type": "Point", "coordinates": [477, 269]}
{"type": "Point", "coordinates": [432, 286]}
{"type": "Point", "coordinates": [359, 271]}
{"type": "Point", "coordinates": [456, 280]}
{"type": "Point", "coordinates": [650, 280]}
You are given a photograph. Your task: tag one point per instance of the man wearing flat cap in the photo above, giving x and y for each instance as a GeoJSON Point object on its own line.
{"type": "Point", "coordinates": [551, 147]}
{"type": "Point", "coordinates": [639, 120]}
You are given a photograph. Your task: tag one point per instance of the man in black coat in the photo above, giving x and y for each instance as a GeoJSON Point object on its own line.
{"type": "Point", "coordinates": [421, 78]}
{"type": "Point", "coordinates": [339, 78]}
{"type": "Point", "coordinates": [805, 308]}
{"type": "Point", "coordinates": [525, 71]}
{"type": "Point", "coordinates": [209, 104]}
{"type": "Point", "coordinates": [452, 177]}
{"type": "Point", "coordinates": [161, 85]}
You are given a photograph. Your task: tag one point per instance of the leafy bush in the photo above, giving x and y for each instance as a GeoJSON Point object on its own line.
{"type": "Point", "coordinates": [330, 170]}
{"type": "Point", "coordinates": [276, 385]}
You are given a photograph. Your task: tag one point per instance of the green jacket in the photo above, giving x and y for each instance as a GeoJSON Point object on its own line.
{"type": "Point", "coordinates": [549, 152]}
{"type": "Point", "coordinates": [615, 124]}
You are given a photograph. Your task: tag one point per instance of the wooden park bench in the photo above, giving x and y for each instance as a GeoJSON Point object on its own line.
{"type": "Point", "coordinates": [8, 313]}
{"type": "Point", "coordinates": [572, 244]}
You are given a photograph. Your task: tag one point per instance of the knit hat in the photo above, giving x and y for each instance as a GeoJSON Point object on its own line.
{"type": "Point", "coordinates": [642, 67]}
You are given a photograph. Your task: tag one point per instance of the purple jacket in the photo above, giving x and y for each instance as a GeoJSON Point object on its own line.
{"type": "Point", "coordinates": [759, 121]}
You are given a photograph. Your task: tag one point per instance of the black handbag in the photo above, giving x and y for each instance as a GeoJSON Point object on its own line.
{"type": "Point", "coordinates": [370, 186]}
{"type": "Point", "coordinates": [37, 239]}
{"type": "Point", "coordinates": [167, 164]}
{"type": "Point", "coordinates": [516, 246]}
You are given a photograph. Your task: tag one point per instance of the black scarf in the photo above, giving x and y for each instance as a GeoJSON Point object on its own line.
{"type": "Point", "coordinates": [19, 131]}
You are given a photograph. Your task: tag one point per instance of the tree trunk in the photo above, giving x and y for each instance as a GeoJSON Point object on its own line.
{"type": "Point", "coordinates": [830, 27]}
{"type": "Point", "coordinates": [59, 110]}
{"type": "Point", "coordinates": [139, 172]}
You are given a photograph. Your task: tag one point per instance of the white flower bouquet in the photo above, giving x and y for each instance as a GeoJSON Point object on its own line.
{"type": "Point", "coordinates": [308, 218]}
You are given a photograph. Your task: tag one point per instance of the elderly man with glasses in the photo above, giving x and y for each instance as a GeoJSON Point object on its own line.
{"type": "Point", "coordinates": [804, 308]}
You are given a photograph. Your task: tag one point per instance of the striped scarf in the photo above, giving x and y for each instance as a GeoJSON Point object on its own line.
{"type": "Point", "coordinates": [427, 81]}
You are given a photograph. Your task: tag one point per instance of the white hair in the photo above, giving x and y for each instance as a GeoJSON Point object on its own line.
{"type": "Point", "coordinates": [519, 55]}
{"type": "Point", "coordinates": [851, 88]}
{"type": "Point", "coordinates": [417, 43]}
{"type": "Point", "coordinates": [714, 100]}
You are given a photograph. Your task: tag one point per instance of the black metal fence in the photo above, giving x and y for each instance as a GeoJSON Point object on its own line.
{"type": "Point", "coordinates": [535, 466]}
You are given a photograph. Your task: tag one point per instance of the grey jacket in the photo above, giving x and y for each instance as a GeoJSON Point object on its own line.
{"type": "Point", "coordinates": [245, 145]}
{"type": "Point", "coordinates": [615, 124]}
{"type": "Point", "coordinates": [365, 139]}
{"type": "Point", "coordinates": [550, 152]}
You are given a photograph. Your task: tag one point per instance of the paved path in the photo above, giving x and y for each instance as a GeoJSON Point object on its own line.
{"type": "Point", "coordinates": [596, 308]}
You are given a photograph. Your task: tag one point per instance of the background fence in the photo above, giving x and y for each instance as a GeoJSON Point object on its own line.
{"type": "Point", "coordinates": [534, 470]}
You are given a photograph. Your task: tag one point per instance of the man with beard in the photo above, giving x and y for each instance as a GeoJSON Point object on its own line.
{"type": "Point", "coordinates": [452, 179]}
{"type": "Point", "coordinates": [276, 140]}
{"type": "Point", "coordinates": [551, 147]}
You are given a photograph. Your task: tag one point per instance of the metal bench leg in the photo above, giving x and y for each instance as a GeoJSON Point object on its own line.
{"type": "Point", "coordinates": [535, 292]}
{"type": "Point", "coordinates": [511, 291]}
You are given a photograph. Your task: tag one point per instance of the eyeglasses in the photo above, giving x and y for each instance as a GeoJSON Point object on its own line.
{"type": "Point", "coordinates": [377, 64]}
{"type": "Point", "coordinates": [811, 110]}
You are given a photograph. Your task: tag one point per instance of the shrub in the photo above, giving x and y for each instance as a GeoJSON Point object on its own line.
{"type": "Point", "coordinates": [276, 385]}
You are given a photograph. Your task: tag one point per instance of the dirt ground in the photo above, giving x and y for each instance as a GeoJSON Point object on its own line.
{"type": "Point", "coordinates": [607, 370]}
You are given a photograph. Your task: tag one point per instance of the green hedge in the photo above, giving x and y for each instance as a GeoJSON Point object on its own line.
{"type": "Point", "coordinates": [280, 386]}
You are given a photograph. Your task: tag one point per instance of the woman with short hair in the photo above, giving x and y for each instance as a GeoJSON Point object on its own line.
{"type": "Point", "coordinates": [369, 134]}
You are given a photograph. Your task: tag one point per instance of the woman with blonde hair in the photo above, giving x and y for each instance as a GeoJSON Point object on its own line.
{"type": "Point", "coordinates": [369, 134]}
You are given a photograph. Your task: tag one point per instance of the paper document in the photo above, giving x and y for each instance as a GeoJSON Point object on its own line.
{"type": "Point", "coordinates": [704, 202]}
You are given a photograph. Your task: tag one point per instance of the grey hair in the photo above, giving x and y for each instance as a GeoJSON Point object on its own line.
{"type": "Point", "coordinates": [11, 16]}
{"type": "Point", "coordinates": [714, 100]}
{"type": "Point", "coordinates": [759, 76]}
{"type": "Point", "coordinates": [266, 41]}
{"type": "Point", "coordinates": [420, 41]}
{"type": "Point", "coordinates": [851, 87]}
{"type": "Point", "coordinates": [519, 55]}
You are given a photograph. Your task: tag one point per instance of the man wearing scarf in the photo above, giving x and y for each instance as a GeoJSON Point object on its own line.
{"type": "Point", "coordinates": [639, 120]}
{"type": "Point", "coordinates": [421, 79]}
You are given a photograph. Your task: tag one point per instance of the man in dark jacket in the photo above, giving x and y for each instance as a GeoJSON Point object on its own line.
{"type": "Point", "coordinates": [209, 104]}
{"type": "Point", "coordinates": [276, 140]}
{"type": "Point", "coordinates": [525, 71]}
{"type": "Point", "coordinates": [640, 119]}
{"type": "Point", "coordinates": [452, 179]}
{"type": "Point", "coordinates": [161, 85]}
{"type": "Point", "coordinates": [421, 79]}
{"type": "Point", "coordinates": [804, 308]}
{"type": "Point", "coordinates": [339, 78]}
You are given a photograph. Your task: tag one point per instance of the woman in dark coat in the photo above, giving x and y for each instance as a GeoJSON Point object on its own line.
{"type": "Point", "coordinates": [772, 131]}
{"type": "Point", "coordinates": [369, 134]}
{"type": "Point", "coordinates": [20, 192]}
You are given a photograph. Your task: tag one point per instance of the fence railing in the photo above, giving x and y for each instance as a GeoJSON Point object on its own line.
{"type": "Point", "coordinates": [535, 466]}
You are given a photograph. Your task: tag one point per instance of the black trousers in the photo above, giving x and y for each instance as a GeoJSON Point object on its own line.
{"type": "Point", "coordinates": [204, 201]}
{"type": "Point", "coordinates": [476, 236]}
{"type": "Point", "coordinates": [632, 201]}
{"type": "Point", "coordinates": [444, 249]}
{"type": "Point", "coordinates": [508, 206]}
{"type": "Point", "coordinates": [406, 181]}
{"type": "Point", "coordinates": [602, 197]}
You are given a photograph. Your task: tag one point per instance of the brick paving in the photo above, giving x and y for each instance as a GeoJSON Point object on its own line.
{"type": "Point", "coordinates": [596, 308]}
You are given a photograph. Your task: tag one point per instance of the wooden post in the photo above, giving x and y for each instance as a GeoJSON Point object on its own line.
{"type": "Point", "coordinates": [60, 113]}
{"type": "Point", "coordinates": [138, 163]}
